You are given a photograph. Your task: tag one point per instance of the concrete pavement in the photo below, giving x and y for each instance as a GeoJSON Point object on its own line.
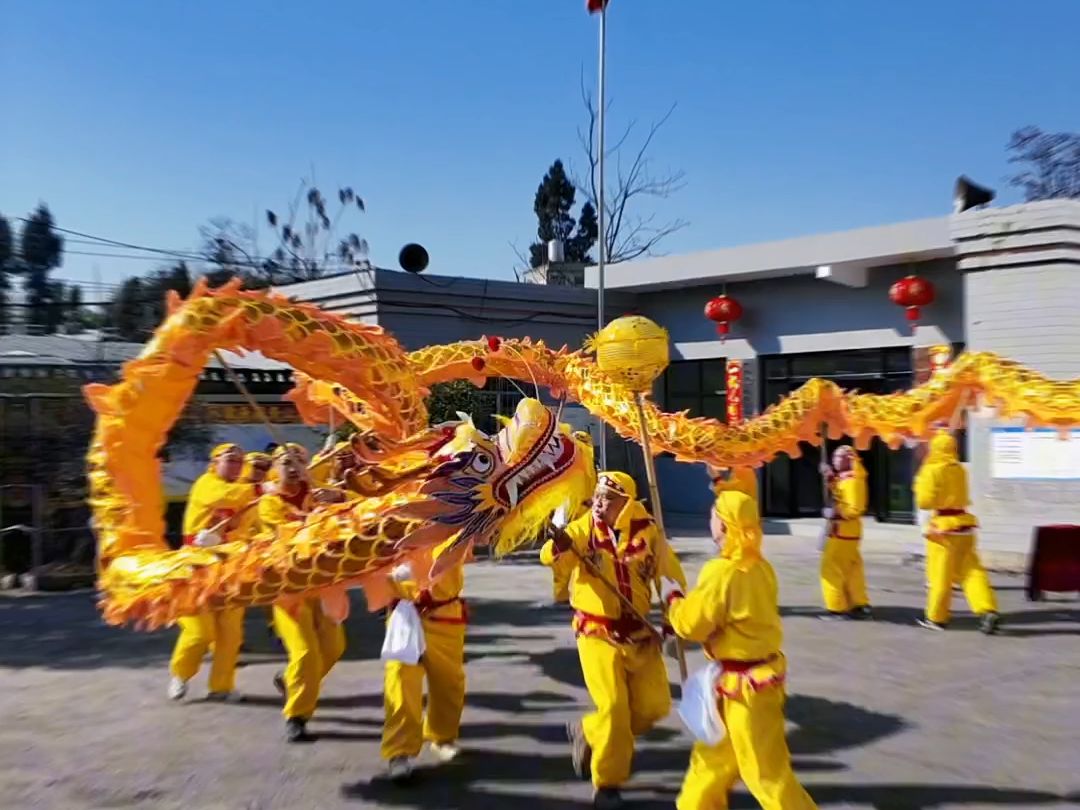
{"type": "Point", "coordinates": [882, 714]}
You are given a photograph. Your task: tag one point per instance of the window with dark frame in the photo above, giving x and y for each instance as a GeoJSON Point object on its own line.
{"type": "Point", "coordinates": [792, 486]}
{"type": "Point", "coordinates": [696, 386]}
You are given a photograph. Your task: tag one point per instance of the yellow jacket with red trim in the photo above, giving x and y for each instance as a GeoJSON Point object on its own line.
{"type": "Point", "coordinates": [274, 510]}
{"type": "Point", "coordinates": [733, 610]}
{"type": "Point", "coordinates": [213, 499]}
{"type": "Point", "coordinates": [732, 613]}
{"type": "Point", "coordinates": [941, 485]}
{"type": "Point", "coordinates": [626, 555]}
{"type": "Point", "coordinates": [441, 602]}
{"type": "Point", "coordinates": [849, 503]}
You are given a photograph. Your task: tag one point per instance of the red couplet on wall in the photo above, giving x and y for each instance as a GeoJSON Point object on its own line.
{"type": "Point", "coordinates": [734, 391]}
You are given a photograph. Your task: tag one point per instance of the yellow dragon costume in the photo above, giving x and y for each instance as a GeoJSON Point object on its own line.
{"type": "Point", "coordinates": [491, 491]}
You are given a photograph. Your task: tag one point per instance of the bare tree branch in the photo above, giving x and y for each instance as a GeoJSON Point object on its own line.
{"type": "Point", "coordinates": [1051, 163]}
{"type": "Point", "coordinates": [628, 234]}
{"type": "Point", "coordinates": [524, 261]}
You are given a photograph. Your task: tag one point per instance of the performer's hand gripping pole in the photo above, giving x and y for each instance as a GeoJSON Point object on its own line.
{"type": "Point", "coordinates": [626, 603]}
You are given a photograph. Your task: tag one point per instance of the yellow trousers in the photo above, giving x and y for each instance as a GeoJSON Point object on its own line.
{"type": "Point", "coordinates": [628, 683]}
{"type": "Point", "coordinates": [221, 629]}
{"type": "Point", "coordinates": [754, 750]}
{"type": "Point", "coordinates": [314, 644]}
{"type": "Point", "coordinates": [843, 581]}
{"type": "Point", "coordinates": [407, 726]}
{"type": "Point", "coordinates": [951, 559]}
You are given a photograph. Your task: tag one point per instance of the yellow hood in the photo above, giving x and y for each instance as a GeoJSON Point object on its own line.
{"type": "Point", "coordinates": [742, 527]}
{"type": "Point", "coordinates": [618, 482]}
{"type": "Point", "coordinates": [738, 479]}
{"type": "Point", "coordinates": [943, 449]}
{"type": "Point", "coordinates": [219, 451]}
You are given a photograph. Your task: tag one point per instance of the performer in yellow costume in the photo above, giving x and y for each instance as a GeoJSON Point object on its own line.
{"type": "Point", "coordinates": [215, 513]}
{"type": "Point", "coordinates": [733, 613]}
{"type": "Point", "coordinates": [331, 465]}
{"type": "Point", "coordinates": [621, 660]}
{"type": "Point", "coordinates": [313, 641]}
{"type": "Point", "coordinates": [739, 479]}
{"type": "Point", "coordinates": [843, 578]}
{"type": "Point", "coordinates": [408, 725]}
{"type": "Point", "coordinates": [941, 485]}
{"type": "Point", "coordinates": [256, 469]}
{"type": "Point", "coordinates": [341, 466]}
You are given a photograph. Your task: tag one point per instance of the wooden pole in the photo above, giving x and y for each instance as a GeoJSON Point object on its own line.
{"type": "Point", "coordinates": [274, 436]}
{"type": "Point", "coordinates": [664, 547]}
{"type": "Point", "coordinates": [826, 500]}
{"type": "Point", "coordinates": [823, 453]}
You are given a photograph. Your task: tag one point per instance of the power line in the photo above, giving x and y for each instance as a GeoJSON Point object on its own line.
{"type": "Point", "coordinates": [260, 264]}
{"type": "Point", "coordinates": [253, 262]}
{"type": "Point", "coordinates": [107, 241]}
{"type": "Point", "coordinates": [131, 256]}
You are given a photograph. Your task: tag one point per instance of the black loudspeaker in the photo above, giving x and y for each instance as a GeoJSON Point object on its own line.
{"type": "Point", "coordinates": [413, 258]}
{"type": "Point", "coordinates": [967, 195]}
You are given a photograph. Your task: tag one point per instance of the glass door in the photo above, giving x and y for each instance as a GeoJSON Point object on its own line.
{"type": "Point", "coordinates": [793, 487]}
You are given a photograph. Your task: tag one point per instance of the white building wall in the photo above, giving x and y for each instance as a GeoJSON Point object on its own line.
{"type": "Point", "coordinates": [1022, 285]}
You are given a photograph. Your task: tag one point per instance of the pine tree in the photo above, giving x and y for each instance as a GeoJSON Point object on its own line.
{"type": "Point", "coordinates": [42, 251]}
{"type": "Point", "coordinates": [139, 305]}
{"type": "Point", "coordinates": [127, 311]}
{"type": "Point", "coordinates": [553, 204]}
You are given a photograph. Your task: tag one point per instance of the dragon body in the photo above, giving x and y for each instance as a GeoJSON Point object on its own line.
{"type": "Point", "coordinates": [473, 490]}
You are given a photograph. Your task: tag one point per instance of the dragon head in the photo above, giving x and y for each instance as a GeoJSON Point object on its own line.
{"type": "Point", "coordinates": [499, 490]}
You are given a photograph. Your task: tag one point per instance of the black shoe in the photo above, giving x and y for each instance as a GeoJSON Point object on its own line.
{"type": "Point", "coordinates": [296, 730]}
{"type": "Point", "coordinates": [279, 684]}
{"type": "Point", "coordinates": [929, 625]}
{"type": "Point", "coordinates": [580, 753]}
{"type": "Point", "coordinates": [862, 613]}
{"type": "Point", "coordinates": [607, 799]}
{"type": "Point", "coordinates": [990, 623]}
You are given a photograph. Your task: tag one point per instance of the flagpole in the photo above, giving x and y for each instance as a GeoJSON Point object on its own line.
{"type": "Point", "coordinates": [601, 214]}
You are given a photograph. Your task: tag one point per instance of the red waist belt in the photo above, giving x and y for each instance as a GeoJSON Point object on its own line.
{"type": "Point", "coordinates": [425, 605]}
{"type": "Point", "coordinates": [951, 512]}
{"type": "Point", "coordinates": [730, 665]}
{"type": "Point", "coordinates": [620, 629]}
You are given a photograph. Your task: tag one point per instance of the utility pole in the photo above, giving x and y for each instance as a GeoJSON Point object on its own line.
{"type": "Point", "coordinates": [601, 213]}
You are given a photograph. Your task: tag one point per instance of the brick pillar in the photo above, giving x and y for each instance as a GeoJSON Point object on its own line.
{"type": "Point", "coordinates": [1021, 268]}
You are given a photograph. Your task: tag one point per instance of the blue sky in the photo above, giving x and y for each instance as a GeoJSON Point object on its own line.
{"type": "Point", "coordinates": [140, 120]}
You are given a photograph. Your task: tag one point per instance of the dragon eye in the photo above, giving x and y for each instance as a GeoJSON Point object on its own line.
{"type": "Point", "coordinates": [482, 462]}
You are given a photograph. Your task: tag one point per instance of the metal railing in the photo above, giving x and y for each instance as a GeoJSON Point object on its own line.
{"type": "Point", "coordinates": [54, 550]}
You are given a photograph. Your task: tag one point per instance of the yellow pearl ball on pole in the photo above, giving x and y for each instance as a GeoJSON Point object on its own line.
{"type": "Point", "coordinates": [632, 351]}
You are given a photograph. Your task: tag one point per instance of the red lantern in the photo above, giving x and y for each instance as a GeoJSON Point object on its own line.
{"type": "Point", "coordinates": [912, 292]}
{"type": "Point", "coordinates": [724, 310]}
